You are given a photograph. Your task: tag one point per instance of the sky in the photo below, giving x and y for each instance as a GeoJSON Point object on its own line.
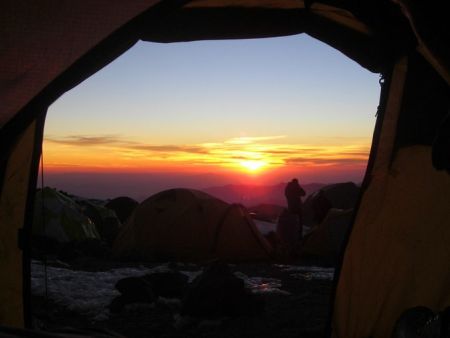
{"type": "Point", "coordinates": [207, 113]}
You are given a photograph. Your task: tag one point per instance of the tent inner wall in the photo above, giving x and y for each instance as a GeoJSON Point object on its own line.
{"type": "Point", "coordinates": [397, 255]}
{"type": "Point", "coordinates": [19, 177]}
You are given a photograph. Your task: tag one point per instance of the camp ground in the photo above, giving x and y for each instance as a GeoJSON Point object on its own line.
{"type": "Point", "coordinates": [396, 255]}
{"type": "Point", "coordinates": [205, 228]}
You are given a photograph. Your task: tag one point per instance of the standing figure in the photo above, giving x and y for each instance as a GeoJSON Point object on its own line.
{"type": "Point", "coordinates": [294, 193]}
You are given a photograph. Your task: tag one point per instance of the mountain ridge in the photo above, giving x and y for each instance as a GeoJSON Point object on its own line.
{"type": "Point", "coordinates": [252, 194]}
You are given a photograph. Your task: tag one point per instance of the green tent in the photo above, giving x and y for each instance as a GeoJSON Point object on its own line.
{"type": "Point", "coordinates": [59, 217]}
{"type": "Point", "coordinates": [106, 221]}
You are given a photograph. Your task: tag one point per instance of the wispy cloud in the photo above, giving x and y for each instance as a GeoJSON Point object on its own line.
{"type": "Point", "coordinates": [250, 139]}
{"type": "Point", "coordinates": [232, 152]}
{"type": "Point", "coordinates": [170, 148]}
{"type": "Point", "coordinates": [82, 140]}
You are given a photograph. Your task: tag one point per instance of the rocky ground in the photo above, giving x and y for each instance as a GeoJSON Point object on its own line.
{"type": "Point", "coordinates": [295, 300]}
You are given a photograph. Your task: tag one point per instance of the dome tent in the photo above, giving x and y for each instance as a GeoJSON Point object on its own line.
{"type": "Point", "coordinates": [339, 196]}
{"type": "Point", "coordinates": [185, 224]}
{"type": "Point", "coordinates": [123, 207]}
{"type": "Point", "coordinates": [402, 216]}
{"type": "Point", "coordinates": [106, 221]}
{"type": "Point", "coordinates": [326, 239]}
{"type": "Point", "coordinates": [58, 217]}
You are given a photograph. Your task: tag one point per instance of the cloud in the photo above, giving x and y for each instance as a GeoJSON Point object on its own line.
{"type": "Point", "coordinates": [250, 139]}
{"type": "Point", "coordinates": [171, 148]}
{"type": "Point", "coordinates": [230, 152]}
{"type": "Point", "coordinates": [324, 161]}
{"type": "Point", "coordinates": [82, 140]}
{"type": "Point", "coordinates": [119, 142]}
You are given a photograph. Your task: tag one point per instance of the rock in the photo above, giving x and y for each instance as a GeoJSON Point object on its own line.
{"type": "Point", "coordinates": [133, 290]}
{"type": "Point", "coordinates": [147, 288]}
{"type": "Point", "coordinates": [168, 284]}
{"type": "Point", "coordinates": [117, 304]}
{"type": "Point", "coordinates": [218, 293]}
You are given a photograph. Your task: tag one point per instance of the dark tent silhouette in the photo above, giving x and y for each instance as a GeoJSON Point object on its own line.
{"type": "Point", "coordinates": [190, 225]}
{"type": "Point", "coordinates": [397, 253]}
{"type": "Point", "coordinates": [123, 207]}
{"type": "Point", "coordinates": [327, 237]}
{"type": "Point", "coordinates": [339, 196]}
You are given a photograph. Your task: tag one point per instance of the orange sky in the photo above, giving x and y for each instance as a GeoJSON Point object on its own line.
{"type": "Point", "coordinates": [255, 156]}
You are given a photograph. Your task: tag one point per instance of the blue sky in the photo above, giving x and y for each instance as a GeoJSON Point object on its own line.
{"type": "Point", "coordinates": [292, 85]}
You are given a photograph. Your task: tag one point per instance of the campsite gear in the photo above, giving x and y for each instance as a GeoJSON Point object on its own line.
{"type": "Point", "coordinates": [183, 224]}
{"type": "Point", "coordinates": [123, 207]}
{"type": "Point", "coordinates": [58, 217]}
{"type": "Point", "coordinates": [397, 253]}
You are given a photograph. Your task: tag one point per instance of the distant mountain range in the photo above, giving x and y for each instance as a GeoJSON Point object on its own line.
{"type": "Point", "coordinates": [252, 195]}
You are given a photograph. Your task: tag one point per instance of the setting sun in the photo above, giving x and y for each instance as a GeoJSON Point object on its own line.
{"type": "Point", "coordinates": [253, 165]}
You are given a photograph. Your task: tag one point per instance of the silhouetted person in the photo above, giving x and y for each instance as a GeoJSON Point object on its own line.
{"type": "Point", "coordinates": [294, 193]}
{"type": "Point", "coordinates": [321, 205]}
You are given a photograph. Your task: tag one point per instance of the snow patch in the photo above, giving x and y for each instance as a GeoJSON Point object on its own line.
{"type": "Point", "coordinates": [265, 227]}
{"type": "Point", "coordinates": [260, 285]}
{"type": "Point", "coordinates": [83, 292]}
{"type": "Point", "coordinates": [308, 272]}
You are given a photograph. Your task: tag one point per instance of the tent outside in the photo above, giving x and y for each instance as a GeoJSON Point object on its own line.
{"type": "Point", "coordinates": [326, 239]}
{"type": "Point", "coordinates": [402, 216]}
{"type": "Point", "coordinates": [123, 207]}
{"type": "Point", "coordinates": [105, 220]}
{"type": "Point", "coordinates": [339, 196]}
{"type": "Point", "coordinates": [187, 225]}
{"type": "Point", "coordinates": [58, 217]}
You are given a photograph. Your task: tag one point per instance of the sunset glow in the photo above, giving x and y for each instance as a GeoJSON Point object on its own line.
{"type": "Point", "coordinates": [206, 113]}
{"type": "Point", "coordinates": [112, 153]}
{"type": "Point", "coordinates": [253, 165]}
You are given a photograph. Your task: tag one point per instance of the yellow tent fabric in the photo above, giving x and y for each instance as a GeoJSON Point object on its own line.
{"type": "Point", "coordinates": [398, 255]}
{"type": "Point", "coordinates": [398, 252]}
{"type": "Point", "coordinates": [12, 214]}
{"type": "Point", "coordinates": [188, 225]}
